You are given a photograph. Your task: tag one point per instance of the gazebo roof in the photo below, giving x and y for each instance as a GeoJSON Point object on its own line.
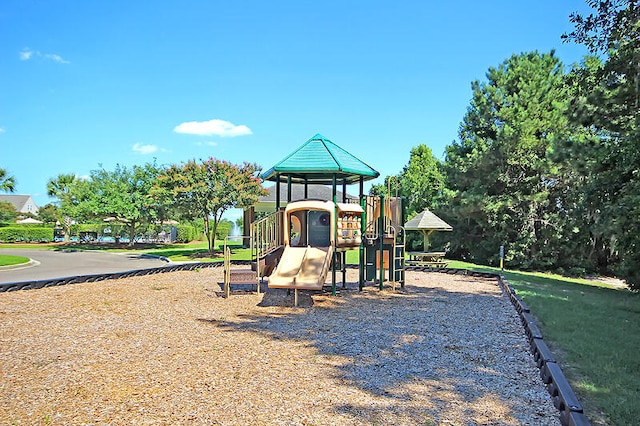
{"type": "Point", "coordinates": [427, 221]}
{"type": "Point", "coordinates": [317, 161]}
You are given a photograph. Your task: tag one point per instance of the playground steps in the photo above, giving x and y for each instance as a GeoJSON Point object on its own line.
{"type": "Point", "coordinates": [268, 262]}
{"type": "Point", "coordinates": [237, 276]}
{"type": "Point", "coordinates": [240, 277]}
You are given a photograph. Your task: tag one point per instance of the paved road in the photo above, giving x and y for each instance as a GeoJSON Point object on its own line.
{"type": "Point", "coordinates": [50, 264]}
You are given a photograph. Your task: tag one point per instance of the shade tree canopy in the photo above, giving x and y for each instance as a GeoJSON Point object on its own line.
{"type": "Point", "coordinates": [208, 188]}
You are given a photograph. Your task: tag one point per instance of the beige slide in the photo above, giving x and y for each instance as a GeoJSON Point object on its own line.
{"type": "Point", "coordinates": [302, 268]}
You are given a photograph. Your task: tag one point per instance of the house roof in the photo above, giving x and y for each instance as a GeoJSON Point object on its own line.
{"type": "Point", "coordinates": [427, 221]}
{"type": "Point", "coordinates": [317, 161]}
{"type": "Point", "coordinates": [20, 202]}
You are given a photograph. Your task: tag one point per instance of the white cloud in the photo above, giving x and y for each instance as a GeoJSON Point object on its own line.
{"type": "Point", "coordinates": [212, 127]}
{"type": "Point", "coordinates": [144, 149]}
{"type": "Point", "coordinates": [2, 130]}
{"type": "Point", "coordinates": [56, 58]}
{"type": "Point", "coordinates": [27, 54]}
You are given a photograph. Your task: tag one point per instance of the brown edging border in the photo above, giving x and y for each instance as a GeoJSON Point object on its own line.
{"type": "Point", "coordinates": [564, 399]}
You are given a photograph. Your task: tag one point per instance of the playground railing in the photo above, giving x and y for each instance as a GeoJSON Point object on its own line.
{"type": "Point", "coordinates": [267, 233]}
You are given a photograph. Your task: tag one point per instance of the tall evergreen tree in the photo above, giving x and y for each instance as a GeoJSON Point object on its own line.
{"type": "Point", "coordinates": [503, 185]}
{"type": "Point", "coordinates": [607, 105]}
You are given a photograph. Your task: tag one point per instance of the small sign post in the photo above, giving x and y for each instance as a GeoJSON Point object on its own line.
{"type": "Point", "coordinates": [502, 258]}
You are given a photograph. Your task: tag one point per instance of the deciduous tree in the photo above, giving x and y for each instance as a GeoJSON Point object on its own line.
{"type": "Point", "coordinates": [209, 188]}
{"type": "Point", "coordinates": [125, 194]}
{"type": "Point", "coordinates": [8, 213]}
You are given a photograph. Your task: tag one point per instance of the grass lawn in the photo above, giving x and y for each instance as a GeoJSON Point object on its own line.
{"type": "Point", "coordinates": [593, 328]}
{"type": "Point", "coordinates": [7, 260]}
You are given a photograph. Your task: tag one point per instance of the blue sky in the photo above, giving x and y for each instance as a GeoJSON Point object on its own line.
{"type": "Point", "coordinates": [90, 84]}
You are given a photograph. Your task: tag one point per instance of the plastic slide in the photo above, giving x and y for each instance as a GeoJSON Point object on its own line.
{"type": "Point", "coordinates": [303, 268]}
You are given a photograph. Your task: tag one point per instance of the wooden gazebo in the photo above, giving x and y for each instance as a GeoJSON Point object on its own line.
{"type": "Point", "coordinates": [427, 222]}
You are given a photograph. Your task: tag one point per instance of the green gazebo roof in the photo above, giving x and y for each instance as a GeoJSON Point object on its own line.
{"type": "Point", "coordinates": [317, 161]}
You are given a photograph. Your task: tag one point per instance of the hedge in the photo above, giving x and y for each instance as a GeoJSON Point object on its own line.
{"type": "Point", "coordinates": [11, 234]}
{"type": "Point", "coordinates": [185, 233]}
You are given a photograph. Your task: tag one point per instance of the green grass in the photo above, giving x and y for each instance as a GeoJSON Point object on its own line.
{"type": "Point", "coordinates": [7, 260]}
{"type": "Point", "coordinates": [594, 329]}
{"type": "Point", "coordinates": [199, 252]}
{"type": "Point", "coordinates": [40, 246]}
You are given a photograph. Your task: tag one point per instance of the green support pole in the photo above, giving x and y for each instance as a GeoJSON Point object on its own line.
{"type": "Point", "coordinates": [277, 191]}
{"type": "Point", "coordinates": [404, 237]}
{"type": "Point", "coordinates": [363, 225]}
{"type": "Point", "coordinates": [335, 238]}
{"type": "Point", "coordinates": [381, 236]}
{"type": "Point", "coordinates": [344, 253]}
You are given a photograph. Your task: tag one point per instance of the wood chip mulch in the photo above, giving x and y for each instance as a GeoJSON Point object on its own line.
{"type": "Point", "coordinates": [168, 349]}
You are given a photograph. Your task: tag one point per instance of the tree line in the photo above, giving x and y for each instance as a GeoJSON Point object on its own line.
{"type": "Point", "coordinates": [142, 195]}
{"type": "Point", "coordinates": [547, 161]}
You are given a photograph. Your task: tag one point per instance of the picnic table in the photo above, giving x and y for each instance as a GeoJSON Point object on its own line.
{"type": "Point", "coordinates": [433, 259]}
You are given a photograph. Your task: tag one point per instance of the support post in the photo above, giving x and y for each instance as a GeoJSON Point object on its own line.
{"type": "Point", "coordinates": [344, 191]}
{"type": "Point", "coordinates": [344, 269]}
{"type": "Point", "coordinates": [381, 236]}
{"type": "Point", "coordinates": [335, 238]}
{"type": "Point", "coordinates": [344, 253]}
{"type": "Point", "coordinates": [277, 191]}
{"type": "Point", "coordinates": [363, 225]}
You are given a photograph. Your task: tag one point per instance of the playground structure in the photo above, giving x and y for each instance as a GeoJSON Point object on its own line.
{"type": "Point", "coordinates": [319, 232]}
{"type": "Point", "coordinates": [297, 246]}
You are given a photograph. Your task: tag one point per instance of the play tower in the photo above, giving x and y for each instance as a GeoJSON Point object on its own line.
{"type": "Point", "coordinates": [298, 245]}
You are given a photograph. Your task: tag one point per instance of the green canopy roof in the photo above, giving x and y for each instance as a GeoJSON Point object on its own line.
{"type": "Point", "coordinates": [317, 161]}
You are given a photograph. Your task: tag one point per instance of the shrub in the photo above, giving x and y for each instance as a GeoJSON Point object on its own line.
{"type": "Point", "coordinates": [224, 228]}
{"type": "Point", "coordinates": [12, 234]}
{"type": "Point", "coordinates": [185, 233]}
